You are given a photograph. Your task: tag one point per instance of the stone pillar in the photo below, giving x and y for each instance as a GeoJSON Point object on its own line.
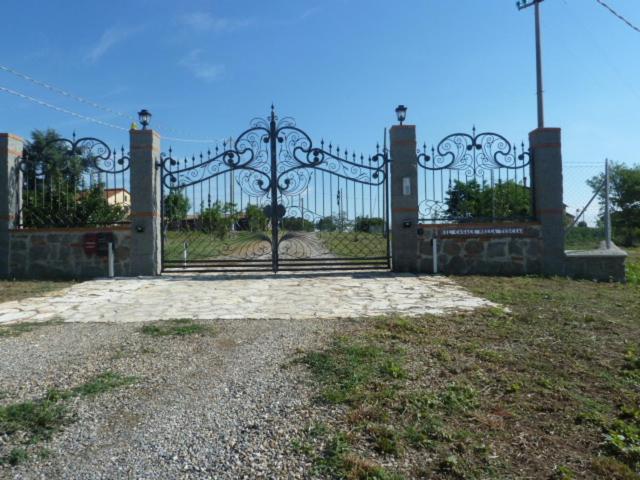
{"type": "Point", "coordinates": [10, 152]}
{"type": "Point", "coordinates": [404, 199]}
{"type": "Point", "coordinates": [546, 152]}
{"type": "Point", "coordinates": [146, 192]}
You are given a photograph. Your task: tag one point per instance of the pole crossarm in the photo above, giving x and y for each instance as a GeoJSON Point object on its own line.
{"type": "Point", "coordinates": [522, 4]}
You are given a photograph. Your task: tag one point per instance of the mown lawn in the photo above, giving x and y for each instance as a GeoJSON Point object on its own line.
{"type": "Point", "coordinates": [355, 244]}
{"type": "Point", "coordinates": [18, 290]}
{"type": "Point", "coordinates": [206, 246]}
{"type": "Point", "coordinates": [549, 388]}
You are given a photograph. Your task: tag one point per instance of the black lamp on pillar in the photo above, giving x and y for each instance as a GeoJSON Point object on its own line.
{"type": "Point", "coordinates": [401, 113]}
{"type": "Point", "coordinates": [145, 117]}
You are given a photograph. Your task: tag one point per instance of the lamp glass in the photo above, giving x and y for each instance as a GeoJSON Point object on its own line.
{"type": "Point", "coordinates": [144, 116]}
{"type": "Point", "coordinates": [401, 113]}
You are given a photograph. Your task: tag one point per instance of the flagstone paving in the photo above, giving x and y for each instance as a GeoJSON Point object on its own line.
{"type": "Point", "coordinates": [245, 296]}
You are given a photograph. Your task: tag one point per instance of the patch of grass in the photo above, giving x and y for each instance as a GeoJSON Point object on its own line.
{"type": "Point", "coordinates": [37, 420]}
{"type": "Point", "coordinates": [612, 469]}
{"type": "Point", "coordinates": [349, 367]}
{"type": "Point", "coordinates": [338, 461]}
{"type": "Point", "coordinates": [490, 393]}
{"type": "Point", "coordinates": [176, 328]}
{"type": "Point", "coordinates": [354, 244]}
{"type": "Point", "coordinates": [18, 290]}
{"type": "Point", "coordinates": [17, 329]}
{"type": "Point", "coordinates": [102, 383]}
{"type": "Point", "coordinates": [15, 456]}
{"type": "Point", "coordinates": [622, 438]}
{"type": "Point", "coordinates": [633, 266]}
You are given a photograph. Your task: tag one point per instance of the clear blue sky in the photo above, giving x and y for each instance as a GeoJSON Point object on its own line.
{"type": "Point", "coordinates": [205, 68]}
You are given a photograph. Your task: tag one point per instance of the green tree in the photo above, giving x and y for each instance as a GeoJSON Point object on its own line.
{"type": "Point", "coordinates": [475, 201]}
{"type": "Point", "coordinates": [624, 193]}
{"type": "Point", "coordinates": [369, 224]}
{"type": "Point", "coordinates": [327, 224]}
{"type": "Point", "coordinates": [55, 191]}
{"type": "Point", "coordinates": [52, 163]}
{"type": "Point", "coordinates": [256, 218]}
{"type": "Point", "coordinates": [218, 219]}
{"type": "Point", "coordinates": [176, 206]}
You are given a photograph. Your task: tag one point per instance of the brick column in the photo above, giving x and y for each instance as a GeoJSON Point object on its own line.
{"type": "Point", "coordinates": [404, 199]}
{"type": "Point", "coordinates": [146, 192]}
{"type": "Point", "coordinates": [10, 151]}
{"type": "Point", "coordinates": [546, 151]}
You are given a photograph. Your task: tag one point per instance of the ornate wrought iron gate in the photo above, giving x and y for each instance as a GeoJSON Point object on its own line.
{"type": "Point", "coordinates": [272, 200]}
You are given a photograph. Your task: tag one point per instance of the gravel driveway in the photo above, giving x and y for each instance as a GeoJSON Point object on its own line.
{"type": "Point", "coordinates": [226, 405]}
{"type": "Point", "coordinates": [222, 405]}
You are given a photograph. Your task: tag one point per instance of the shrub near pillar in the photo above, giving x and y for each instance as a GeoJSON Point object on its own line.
{"type": "Point", "coordinates": [146, 193]}
{"type": "Point", "coordinates": [404, 202]}
{"type": "Point", "coordinates": [10, 152]}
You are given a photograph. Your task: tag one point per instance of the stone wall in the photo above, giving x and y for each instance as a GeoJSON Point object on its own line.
{"type": "Point", "coordinates": [487, 249]}
{"type": "Point", "coordinates": [602, 265]}
{"type": "Point", "coordinates": [60, 253]}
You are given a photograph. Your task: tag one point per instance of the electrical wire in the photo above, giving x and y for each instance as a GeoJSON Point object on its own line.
{"type": "Point", "coordinates": [60, 91]}
{"type": "Point", "coordinates": [621, 17]}
{"type": "Point", "coordinates": [90, 103]}
{"type": "Point", "coordinates": [59, 109]}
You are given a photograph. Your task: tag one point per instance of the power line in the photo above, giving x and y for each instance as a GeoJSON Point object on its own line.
{"type": "Point", "coordinates": [59, 109]}
{"type": "Point", "coordinates": [91, 103]}
{"type": "Point", "coordinates": [621, 17]}
{"type": "Point", "coordinates": [60, 91]}
{"type": "Point", "coordinates": [92, 119]}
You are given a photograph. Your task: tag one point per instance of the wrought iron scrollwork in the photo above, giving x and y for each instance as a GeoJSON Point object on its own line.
{"type": "Point", "coordinates": [474, 154]}
{"type": "Point", "coordinates": [474, 177]}
{"type": "Point", "coordinates": [94, 154]}
{"type": "Point", "coordinates": [296, 160]}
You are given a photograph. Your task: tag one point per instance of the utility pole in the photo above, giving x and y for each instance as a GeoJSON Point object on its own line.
{"type": "Point", "coordinates": [607, 206]}
{"type": "Point", "coordinates": [522, 4]}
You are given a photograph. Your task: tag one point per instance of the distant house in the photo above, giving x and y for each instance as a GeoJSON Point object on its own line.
{"type": "Point", "coordinates": [118, 196]}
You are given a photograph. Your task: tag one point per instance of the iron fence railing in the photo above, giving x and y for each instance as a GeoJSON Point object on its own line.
{"type": "Point", "coordinates": [478, 177]}
{"type": "Point", "coordinates": [73, 182]}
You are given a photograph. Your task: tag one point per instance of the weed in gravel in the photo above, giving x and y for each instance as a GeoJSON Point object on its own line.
{"type": "Point", "coordinates": [102, 383]}
{"type": "Point", "coordinates": [15, 456]}
{"type": "Point", "coordinates": [17, 329]}
{"type": "Point", "coordinates": [337, 460]}
{"type": "Point", "coordinates": [39, 419]}
{"type": "Point", "coordinates": [177, 327]}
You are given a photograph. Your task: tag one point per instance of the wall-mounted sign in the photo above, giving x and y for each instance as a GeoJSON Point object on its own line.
{"type": "Point", "coordinates": [90, 243]}
{"type": "Point", "coordinates": [481, 232]}
{"type": "Point", "coordinates": [97, 243]}
{"type": "Point", "coordinates": [406, 186]}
